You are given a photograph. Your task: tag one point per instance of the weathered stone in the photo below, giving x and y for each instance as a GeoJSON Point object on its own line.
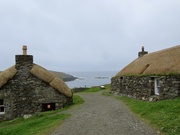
{"type": "Point", "coordinates": [26, 116]}
{"type": "Point", "coordinates": [143, 87]}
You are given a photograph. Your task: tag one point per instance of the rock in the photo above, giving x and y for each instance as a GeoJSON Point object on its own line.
{"type": "Point", "coordinates": [102, 87]}
{"type": "Point", "coordinates": [26, 116]}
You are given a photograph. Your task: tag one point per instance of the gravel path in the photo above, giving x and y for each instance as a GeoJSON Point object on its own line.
{"type": "Point", "coordinates": [102, 115]}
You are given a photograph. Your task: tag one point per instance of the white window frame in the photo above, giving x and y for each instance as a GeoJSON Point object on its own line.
{"type": "Point", "coordinates": [2, 106]}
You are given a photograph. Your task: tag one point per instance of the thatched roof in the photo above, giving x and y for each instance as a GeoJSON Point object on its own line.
{"type": "Point", "coordinates": [165, 61]}
{"type": "Point", "coordinates": [6, 75]}
{"type": "Point", "coordinates": [42, 74]}
{"type": "Point", "coordinates": [50, 78]}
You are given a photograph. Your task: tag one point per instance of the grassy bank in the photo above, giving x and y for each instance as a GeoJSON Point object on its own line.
{"type": "Point", "coordinates": [162, 115]}
{"type": "Point", "coordinates": [39, 124]}
{"type": "Point", "coordinates": [96, 89]}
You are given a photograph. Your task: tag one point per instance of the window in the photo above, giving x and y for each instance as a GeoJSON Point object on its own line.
{"type": "Point", "coordinates": [48, 106]}
{"type": "Point", "coordinates": [121, 83]}
{"type": "Point", "coordinates": [1, 106]}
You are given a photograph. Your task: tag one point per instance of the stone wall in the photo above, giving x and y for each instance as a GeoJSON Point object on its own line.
{"type": "Point", "coordinates": [143, 87]}
{"type": "Point", "coordinates": [25, 93]}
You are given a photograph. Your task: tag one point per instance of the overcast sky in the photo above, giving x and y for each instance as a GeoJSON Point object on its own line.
{"type": "Point", "coordinates": [86, 35]}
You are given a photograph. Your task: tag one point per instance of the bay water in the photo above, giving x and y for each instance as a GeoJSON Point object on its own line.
{"type": "Point", "coordinates": [91, 78]}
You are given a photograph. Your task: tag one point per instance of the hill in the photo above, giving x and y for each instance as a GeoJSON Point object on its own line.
{"type": "Point", "coordinates": [65, 77]}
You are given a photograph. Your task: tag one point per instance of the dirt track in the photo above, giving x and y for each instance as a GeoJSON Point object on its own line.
{"type": "Point", "coordinates": [102, 115]}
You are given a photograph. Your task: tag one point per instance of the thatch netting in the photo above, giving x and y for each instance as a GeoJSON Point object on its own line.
{"type": "Point", "coordinates": [50, 78]}
{"type": "Point", "coordinates": [6, 75]}
{"type": "Point", "coordinates": [42, 73]}
{"type": "Point", "coordinates": [161, 62]}
{"type": "Point", "coordinates": [61, 86]}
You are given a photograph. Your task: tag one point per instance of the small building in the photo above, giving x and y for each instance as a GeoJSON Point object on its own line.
{"type": "Point", "coordinates": [26, 88]}
{"type": "Point", "coordinates": [152, 76]}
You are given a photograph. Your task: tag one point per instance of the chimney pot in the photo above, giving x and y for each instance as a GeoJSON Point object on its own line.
{"type": "Point", "coordinates": [24, 48]}
{"type": "Point", "coordinates": [24, 60]}
{"type": "Point", "coordinates": [142, 48]}
{"type": "Point", "coordinates": [142, 53]}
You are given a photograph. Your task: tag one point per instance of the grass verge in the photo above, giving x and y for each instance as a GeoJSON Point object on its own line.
{"type": "Point", "coordinates": [163, 115]}
{"type": "Point", "coordinates": [39, 124]}
{"type": "Point", "coordinates": [96, 89]}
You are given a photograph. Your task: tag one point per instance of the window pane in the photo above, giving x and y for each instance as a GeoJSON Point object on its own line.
{"type": "Point", "coordinates": [1, 109]}
{"type": "Point", "coordinates": [1, 102]}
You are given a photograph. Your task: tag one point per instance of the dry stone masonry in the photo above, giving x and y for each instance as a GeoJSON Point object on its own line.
{"type": "Point", "coordinates": [143, 87]}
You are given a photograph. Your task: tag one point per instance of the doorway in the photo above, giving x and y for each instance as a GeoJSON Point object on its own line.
{"type": "Point", "coordinates": [157, 86]}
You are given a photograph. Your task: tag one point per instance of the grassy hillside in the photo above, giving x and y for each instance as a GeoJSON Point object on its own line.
{"type": "Point", "coordinates": [65, 77]}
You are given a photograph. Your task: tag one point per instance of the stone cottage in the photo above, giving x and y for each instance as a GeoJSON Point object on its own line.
{"type": "Point", "coordinates": [152, 76]}
{"type": "Point", "coordinates": [26, 88]}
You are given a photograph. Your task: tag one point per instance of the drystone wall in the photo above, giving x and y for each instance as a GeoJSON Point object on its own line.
{"type": "Point", "coordinates": [143, 87]}
{"type": "Point", "coordinates": [25, 93]}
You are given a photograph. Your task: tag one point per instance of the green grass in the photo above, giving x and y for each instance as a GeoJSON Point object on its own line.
{"type": "Point", "coordinates": [163, 115]}
{"type": "Point", "coordinates": [77, 100]}
{"type": "Point", "coordinates": [39, 124]}
{"type": "Point", "coordinates": [36, 125]}
{"type": "Point", "coordinates": [96, 89]}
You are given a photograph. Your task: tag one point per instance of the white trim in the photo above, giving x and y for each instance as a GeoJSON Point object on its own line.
{"type": "Point", "coordinates": [2, 113]}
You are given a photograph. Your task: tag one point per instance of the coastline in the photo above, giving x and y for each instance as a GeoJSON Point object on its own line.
{"type": "Point", "coordinates": [90, 79]}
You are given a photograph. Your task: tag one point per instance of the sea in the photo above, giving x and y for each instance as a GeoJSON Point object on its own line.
{"type": "Point", "coordinates": [91, 78]}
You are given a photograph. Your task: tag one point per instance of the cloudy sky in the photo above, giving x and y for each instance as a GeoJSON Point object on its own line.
{"type": "Point", "coordinates": [86, 35]}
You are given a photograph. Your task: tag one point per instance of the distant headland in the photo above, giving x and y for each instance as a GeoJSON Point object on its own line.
{"type": "Point", "coordinates": [65, 77]}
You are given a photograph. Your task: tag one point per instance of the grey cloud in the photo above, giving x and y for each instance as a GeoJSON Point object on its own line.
{"type": "Point", "coordinates": [83, 35]}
